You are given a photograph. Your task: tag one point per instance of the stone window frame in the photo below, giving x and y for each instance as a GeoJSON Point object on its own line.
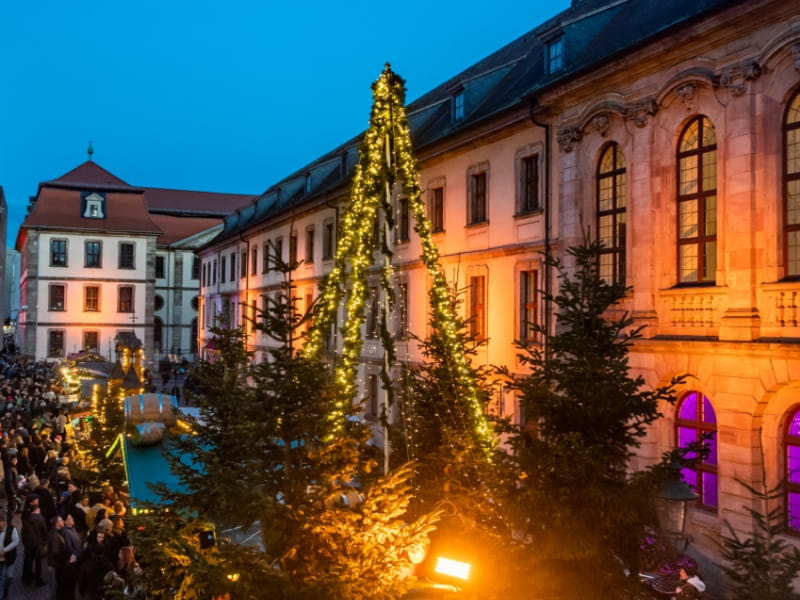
{"type": "Point", "coordinates": [530, 151]}
{"type": "Point", "coordinates": [59, 256]}
{"type": "Point", "coordinates": [478, 214]}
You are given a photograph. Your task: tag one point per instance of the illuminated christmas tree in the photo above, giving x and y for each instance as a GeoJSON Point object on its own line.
{"type": "Point", "coordinates": [386, 160]}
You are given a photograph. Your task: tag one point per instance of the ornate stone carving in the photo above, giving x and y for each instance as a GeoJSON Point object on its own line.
{"type": "Point", "coordinates": [640, 112]}
{"type": "Point", "coordinates": [736, 78]}
{"type": "Point", "coordinates": [686, 93]}
{"type": "Point", "coordinates": [568, 137]}
{"type": "Point", "coordinates": [796, 56]}
{"type": "Point", "coordinates": [600, 124]}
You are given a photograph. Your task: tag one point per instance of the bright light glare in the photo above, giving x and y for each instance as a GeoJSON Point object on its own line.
{"type": "Point", "coordinates": [452, 568]}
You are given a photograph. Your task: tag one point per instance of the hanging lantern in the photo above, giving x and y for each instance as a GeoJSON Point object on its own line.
{"type": "Point", "coordinates": [671, 503]}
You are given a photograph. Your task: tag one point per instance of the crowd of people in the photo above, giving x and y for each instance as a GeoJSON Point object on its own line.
{"type": "Point", "coordinates": [71, 540]}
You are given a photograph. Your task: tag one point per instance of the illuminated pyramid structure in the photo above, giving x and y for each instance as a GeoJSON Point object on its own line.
{"type": "Point", "coordinates": [386, 158]}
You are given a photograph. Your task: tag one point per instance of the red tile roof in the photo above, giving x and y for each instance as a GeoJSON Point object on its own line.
{"type": "Point", "coordinates": [88, 175]}
{"type": "Point", "coordinates": [180, 228]}
{"type": "Point", "coordinates": [60, 208]}
{"type": "Point", "coordinates": [174, 214]}
{"type": "Point", "coordinates": [198, 203]}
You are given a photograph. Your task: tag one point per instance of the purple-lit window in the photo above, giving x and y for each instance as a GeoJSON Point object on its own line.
{"type": "Point", "coordinates": [696, 417]}
{"type": "Point", "coordinates": [792, 464]}
{"type": "Point", "coordinates": [791, 189]}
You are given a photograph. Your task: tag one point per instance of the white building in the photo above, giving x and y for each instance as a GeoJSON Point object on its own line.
{"type": "Point", "coordinates": [102, 259]}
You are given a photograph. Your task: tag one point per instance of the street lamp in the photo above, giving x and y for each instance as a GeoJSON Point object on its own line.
{"type": "Point", "coordinates": [671, 500]}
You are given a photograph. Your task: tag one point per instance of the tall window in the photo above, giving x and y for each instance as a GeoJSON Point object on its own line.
{"type": "Point", "coordinates": [696, 418]}
{"type": "Point", "coordinates": [309, 306]}
{"type": "Point", "coordinates": [57, 297]}
{"type": "Point", "coordinates": [159, 267]}
{"type": "Point", "coordinates": [293, 249]}
{"type": "Point", "coordinates": [93, 254]}
{"type": "Point", "coordinates": [158, 334]}
{"type": "Point", "coordinates": [254, 260]}
{"type": "Point", "coordinates": [126, 254]}
{"type": "Point", "coordinates": [278, 250]}
{"type": "Point", "coordinates": [791, 447]}
{"type": "Point", "coordinates": [372, 407]}
{"type": "Point", "coordinates": [697, 202]}
{"type": "Point", "coordinates": [477, 306]}
{"type": "Point", "coordinates": [265, 256]}
{"type": "Point", "coordinates": [195, 268]}
{"type": "Point", "coordinates": [477, 198]}
{"type": "Point", "coordinates": [223, 267]}
{"type": "Point", "coordinates": [125, 299]}
{"type": "Point", "coordinates": [213, 271]}
{"type": "Point", "coordinates": [436, 209]}
{"type": "Point", "coordinates": [791, 190]}
{"type": "Point", "coordinates": [401, 332]}
{"type": "Point", "coordinates": [233, 266]}
{"type": "Point", "coordinates": [193, 337]}
{"type": "Point", "coordinates": [528, 184]}
{"type": "Point", "coordinates": [243, 264]}
{"type": "Point", "coordinates": [91, 298]}
{"type": "Point", "coordinates": [528, 305]}
{"type": "Point", "coordinates": [58, 253]}
{"type": "Point", "coordinates": [310, 244]}
{"type": "Point", "coordinates": [611, 225]}
{"type": "Point", "coordinates": [403, 220]}
{"type": "Point", "coordinates": [555, 55]}
{"type": "Point", "coordinates": [328, 239]}
{"type": "Point", "coordinates": [91, 341]}
{"type": "Point", "coordinates": [373, 313]}
{"type": "Point", "coordinates": [459, 106]}
{"type": "Point", "coordinates": [55, 343]}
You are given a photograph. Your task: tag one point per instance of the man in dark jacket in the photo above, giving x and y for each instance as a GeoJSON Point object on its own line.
{"type": "Point", "coordinates": [34, 540]}
{"type": "Point", "coordinates": [47, 503]}
{"type": "Point", "coordinates": [9, 541]}
{"type": "Point", "coordinates": [62, 562]}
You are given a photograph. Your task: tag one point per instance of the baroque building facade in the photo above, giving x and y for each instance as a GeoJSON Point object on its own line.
{"type": "Point", "coordinates": [671, 132]}
{"type": "Point", "coordinates": [103, 261]}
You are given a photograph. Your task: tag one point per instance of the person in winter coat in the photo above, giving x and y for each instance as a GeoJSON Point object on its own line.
{"type": "Point", "coordinates": [8, 552]}
{"type": "Point", "coordinates": [34, 540]}
{"type": "Point", "coordinates": [691, 586]}
{"type": "Point", "coordinates": [62, 562]}
{"type": "Point", "coordinates": [92, 573]}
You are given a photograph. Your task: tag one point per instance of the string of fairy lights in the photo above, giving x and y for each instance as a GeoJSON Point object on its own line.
{"type": "Point", "coordinates": [386, 156]}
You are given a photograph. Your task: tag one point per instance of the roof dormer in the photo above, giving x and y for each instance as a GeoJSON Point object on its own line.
{"type": "Point", "coordinates": [93, 205]}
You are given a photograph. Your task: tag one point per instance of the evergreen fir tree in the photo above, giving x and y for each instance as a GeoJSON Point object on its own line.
{"type": "Point", "coordinates": [586, 416]}
{"type": "Point", "coordinates": [453, 472]}
{"type": "Point", "coordinates": [106, 425]}
{"type": "Point", "coordinates": [262, 452]}
{"type": "Point", "coordinates": [764, 565]}
{"type": "Point", "coordinates": [437, 427]}
{"type": "Point", "coordinates": [386, 162]}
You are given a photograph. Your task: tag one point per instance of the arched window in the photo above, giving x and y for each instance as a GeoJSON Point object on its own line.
{"type": "Point", "coordinates": [695, 418]}
{"type": "Point", "coordinates": [611, 190]}
{"type": "Point", "coordinates": [791, 447]}
{"type": "Point", "coordinates": [791, 188]}
{"type": "Point", "coordinates": [697, 202]}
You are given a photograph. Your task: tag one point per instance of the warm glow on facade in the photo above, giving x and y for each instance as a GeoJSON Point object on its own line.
{"type": "Point", "coordinates": [684, 163]}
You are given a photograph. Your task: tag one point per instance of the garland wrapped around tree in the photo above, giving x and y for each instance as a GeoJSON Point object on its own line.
{"type": "Point", "coordinates": [386, 157]}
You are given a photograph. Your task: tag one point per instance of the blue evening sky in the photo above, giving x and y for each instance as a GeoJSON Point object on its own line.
{"type": "Point", "coordinates": [217, 96]}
